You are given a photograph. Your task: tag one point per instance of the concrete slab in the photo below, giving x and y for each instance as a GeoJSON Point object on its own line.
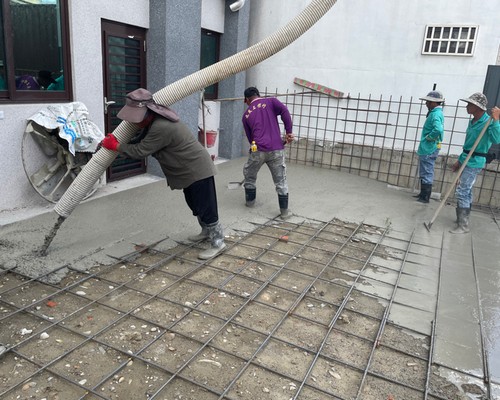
{"type": "Point", "coordinates": [110, 224]}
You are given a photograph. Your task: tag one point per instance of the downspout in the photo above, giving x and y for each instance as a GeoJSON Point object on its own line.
{"type": "Point", "coordinates": [184, 87]}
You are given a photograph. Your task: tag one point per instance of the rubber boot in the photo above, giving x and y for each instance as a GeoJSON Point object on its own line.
{"type": "Point", "coordinates": [216, 236]}
{"type": "Point", "coordinates": [250, 195]}
{"type": "Point", "coordinates": [426, 193]}
{"type": "Point", "coordinates": [456, 211]}
{"type": "Point", "coordinates": [285, 213]}
{"type": "Point", "coordinates": [200, 236]}
{"type": "Point", "coordinates": [463, 221]}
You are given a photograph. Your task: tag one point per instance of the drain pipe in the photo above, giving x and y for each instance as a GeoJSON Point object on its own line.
{"type": "Point", "coordinates": [236, 6]}
{"type": "Point", "coordinates": [184, 87]}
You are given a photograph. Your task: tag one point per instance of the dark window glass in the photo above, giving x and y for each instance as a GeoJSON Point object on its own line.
{"type": "Point", "coordinates": [34, 63]}
{"type": "Point", "coordinates": [210, 43]}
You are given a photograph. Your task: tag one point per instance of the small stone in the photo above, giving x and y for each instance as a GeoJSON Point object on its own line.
{"type": "Point", "coordinates": [81, 293]}
{"type": "Point", "coordinates": [44, 335]}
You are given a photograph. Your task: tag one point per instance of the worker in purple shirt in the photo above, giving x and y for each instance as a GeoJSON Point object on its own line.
{"type": "Point", "coordinates": [260, 121]}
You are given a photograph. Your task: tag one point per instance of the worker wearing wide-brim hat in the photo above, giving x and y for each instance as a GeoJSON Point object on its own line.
{"type": "Point", "coordinates": [430, 143]}
{"type": "Point", "coordinates": [476, 106]}
{"type": "Point", "coordinates": [184, 161]}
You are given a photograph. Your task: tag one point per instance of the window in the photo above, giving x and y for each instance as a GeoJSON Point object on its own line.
{"type": "Point", "coordinates": [210, 44]}
{"type": "Point", "coordinates": [34, 55]}
{"type": "Point", "coordinates": [450, 40]}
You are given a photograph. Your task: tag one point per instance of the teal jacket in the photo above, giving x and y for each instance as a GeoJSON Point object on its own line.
{"type": "Point", "coordinates": [491, 136]}
{"type": "Point", "coordinates": [432, 132]}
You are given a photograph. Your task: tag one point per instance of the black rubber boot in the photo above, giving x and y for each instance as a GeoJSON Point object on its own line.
{"type": "Point", "coordinates": [283, 202]}
{"type": "Point", "coordinates": [426, 193]}
{"type": "Point", "coordinates": [250, 195]}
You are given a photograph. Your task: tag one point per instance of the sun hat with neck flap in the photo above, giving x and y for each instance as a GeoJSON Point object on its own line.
{"type": "Point", "coordinates": [478, 99]}
{"type": "Point", "coordinates": [137, 104]}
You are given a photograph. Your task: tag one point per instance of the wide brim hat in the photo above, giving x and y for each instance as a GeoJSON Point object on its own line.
{"type": "Point", "coordinates": [435, 96]}
{"type": "Point", "coordinates": [478, 99]}
{"type": "Point", "coordinates": [137, 104]}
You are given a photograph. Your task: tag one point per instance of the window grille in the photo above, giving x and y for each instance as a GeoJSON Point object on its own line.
{"type": "Point", "coordinates": [450, 40]}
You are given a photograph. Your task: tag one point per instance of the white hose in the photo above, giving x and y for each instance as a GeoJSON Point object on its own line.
{"type": "Point", "coordinates": [184, 87]}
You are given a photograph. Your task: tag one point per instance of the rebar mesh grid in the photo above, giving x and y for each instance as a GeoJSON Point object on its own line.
{"type": "Point", "coordinates": [290, 310]}
{"type": "Point", "coordinates": [377, 137]}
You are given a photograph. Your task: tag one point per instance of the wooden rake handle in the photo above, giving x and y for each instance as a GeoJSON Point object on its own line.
{"type": "Point", "coordinates": [452, 186]}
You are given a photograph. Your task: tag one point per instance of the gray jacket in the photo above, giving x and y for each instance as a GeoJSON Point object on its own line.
{"type": "Point", "coordinates": [182, 158]}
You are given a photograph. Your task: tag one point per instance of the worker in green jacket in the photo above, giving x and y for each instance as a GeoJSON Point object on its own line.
{"type": "Point", "coordinates": [476, 106]}
{"type": "Point", "coordinates": [430, 143]}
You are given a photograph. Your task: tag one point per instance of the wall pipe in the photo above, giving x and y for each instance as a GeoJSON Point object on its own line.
{"type": "Point", "coordinates": [184, 87]}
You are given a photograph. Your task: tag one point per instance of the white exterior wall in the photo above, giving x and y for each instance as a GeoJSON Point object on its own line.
{"type": "Point", "coordinates": [374, 47]}
{"type": "Point", "coordinates": [86, 60]}
{"type": "Point", "coordinates": [212, 15]}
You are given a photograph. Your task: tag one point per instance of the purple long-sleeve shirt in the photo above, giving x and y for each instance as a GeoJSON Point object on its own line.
{"type": "Point", "coordinates": [260, 121]}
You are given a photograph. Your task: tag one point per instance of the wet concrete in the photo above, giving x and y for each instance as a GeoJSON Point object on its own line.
{"type": "Point", "coordinates": [440, 272]}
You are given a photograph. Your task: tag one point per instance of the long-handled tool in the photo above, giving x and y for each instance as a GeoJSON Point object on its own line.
{"type": "Point", "coordinates": [428, 225]}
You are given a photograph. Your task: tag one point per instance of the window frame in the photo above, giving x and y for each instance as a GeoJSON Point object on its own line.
{"type": "Point", "coordinates": [430, 39]}
{"type": "Point", "coordinates": [11, 94]}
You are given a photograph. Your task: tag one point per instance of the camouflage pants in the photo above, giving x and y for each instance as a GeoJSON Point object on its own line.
{"type": "Point", "coordinates": [275, 161]}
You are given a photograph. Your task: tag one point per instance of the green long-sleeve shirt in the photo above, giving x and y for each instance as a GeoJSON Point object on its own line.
{"type": "Point", "coordinates": [491, 136]}
{"type": "Point", "coordinates": [432, 132]}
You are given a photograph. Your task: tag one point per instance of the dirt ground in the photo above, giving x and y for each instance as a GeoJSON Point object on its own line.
{"type": "Point", "coordinates": [282, 314]}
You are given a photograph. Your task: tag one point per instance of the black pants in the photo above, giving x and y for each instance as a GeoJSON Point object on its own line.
{"type": "Point", "coordinates": [201, 198]}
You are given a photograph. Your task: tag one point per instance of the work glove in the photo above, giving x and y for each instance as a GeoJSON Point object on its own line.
{"type": "Point", "coordinates": [110, 142]}
{"type": "Point", "coordinates": [455, 167]}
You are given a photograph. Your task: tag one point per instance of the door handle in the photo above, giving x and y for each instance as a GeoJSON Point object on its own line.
{"type": "Point", "coordinates": [107, 104]}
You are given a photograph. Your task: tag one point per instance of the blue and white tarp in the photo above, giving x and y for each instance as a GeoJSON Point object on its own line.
{"type": "Point", "coordinates": [74, 125]}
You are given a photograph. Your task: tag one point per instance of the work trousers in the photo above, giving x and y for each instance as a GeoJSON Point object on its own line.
{"type": "Point", "coordinates": [275, 161]}
{"type": "Point", "coordinates": [201, 198]}
{"type": "Point", "coordinates": [426, 167]}
{"type": "Point", "coordinates": [463, 192]}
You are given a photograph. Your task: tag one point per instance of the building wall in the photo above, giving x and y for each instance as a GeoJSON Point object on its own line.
{"type": "Point", "coordinates": [373, 47]}
{"type": "Point", "coordinates": [173, 44]}
{"type": "Point", "coordinates": [86, 59]}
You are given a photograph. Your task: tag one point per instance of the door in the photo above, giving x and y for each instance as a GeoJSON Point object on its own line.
{"type": "Point", "coordinates": [492, 92]}
{"type": "Point", "coordinates": [124, 48]}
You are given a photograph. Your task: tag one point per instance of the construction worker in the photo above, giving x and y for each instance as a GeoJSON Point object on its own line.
{"type": "Point", "coordinates": [430, 143]}
{"type": "Point", "coordinates": [184, 161]}
{"type": "Point", "coordinates": [260, 121]}
{"type": "Point", "coordinates": [476, 106]}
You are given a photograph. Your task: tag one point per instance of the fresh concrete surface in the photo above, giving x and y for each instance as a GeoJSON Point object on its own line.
{"type": "Point", "coordinates": [440, 266]}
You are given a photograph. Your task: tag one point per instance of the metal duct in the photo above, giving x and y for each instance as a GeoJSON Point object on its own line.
{"type": "Point", "coordinates": [189, 85]}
